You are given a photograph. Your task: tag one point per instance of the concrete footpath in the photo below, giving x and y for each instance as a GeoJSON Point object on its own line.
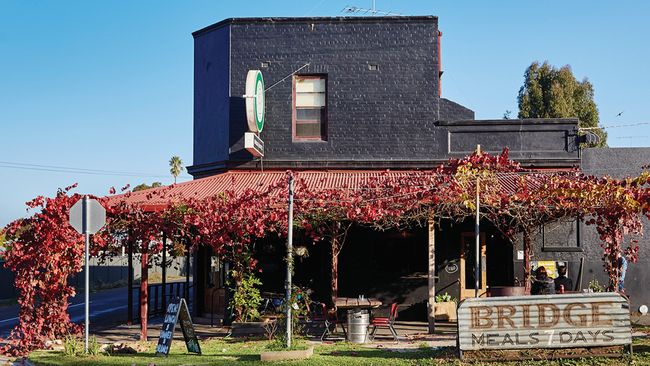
{"type": "Point", "coordinates": [409, 333]}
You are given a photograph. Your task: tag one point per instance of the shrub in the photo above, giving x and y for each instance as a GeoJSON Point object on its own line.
{"type": "Point", "coordinates": [595, 286]}
{"type": "Point", "coordinates": [94, 348]}
{"type": "Point", "coordinates": [247, 299]}
{"type": "Point", "coordinates": [72, 346]}
{"type": "Point", "coordinates": [445, 298]}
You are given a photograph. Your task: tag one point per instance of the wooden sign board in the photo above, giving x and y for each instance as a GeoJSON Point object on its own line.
{"type": "Point", "coordinates": [544, 321]}
{"type": "Point", "coordinates": [177, 311]}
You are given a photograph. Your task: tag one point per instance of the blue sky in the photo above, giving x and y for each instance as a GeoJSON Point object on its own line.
{"type": "Point", "coordinates": [107, 85]}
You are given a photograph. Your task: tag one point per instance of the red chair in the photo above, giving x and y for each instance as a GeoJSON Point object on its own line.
{"type": "Point", "coordinates": [384, 322]}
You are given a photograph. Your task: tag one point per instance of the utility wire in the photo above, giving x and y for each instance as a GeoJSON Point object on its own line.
{"type": "Point", "coordinates": [72, 168]}
{"type": "Point", "coordinates": [616, 126]}
{"type": "Point", "coordinates": [81, 172]}
{"type": "Point", "coordinates": [60, 169]}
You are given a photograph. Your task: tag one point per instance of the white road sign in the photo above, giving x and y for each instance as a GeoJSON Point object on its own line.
{"type": "Point", "coordinates": [95, 216]}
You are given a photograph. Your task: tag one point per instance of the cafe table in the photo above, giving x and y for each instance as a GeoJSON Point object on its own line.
{"type": "Point", "coordinates": [358, 316]}
{"type": "Point", "coordinates": [346, 303]}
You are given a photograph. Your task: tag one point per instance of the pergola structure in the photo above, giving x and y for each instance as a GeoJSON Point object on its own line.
{"type": "Point", "coordinates": [230, 211]}
{"type": "Point", "coordinates": [513, 199]}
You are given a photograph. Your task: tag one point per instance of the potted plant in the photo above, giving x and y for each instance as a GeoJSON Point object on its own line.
{"type": "Point", "coordinates": [445, 308]}
{"type": "Point", "coordinates": [245, 303]}
{"type": "Point", "coordinates": [276, 349]}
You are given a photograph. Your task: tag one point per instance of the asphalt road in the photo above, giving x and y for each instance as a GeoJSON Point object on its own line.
{"type": "Point", "coordinates": [107, 307]}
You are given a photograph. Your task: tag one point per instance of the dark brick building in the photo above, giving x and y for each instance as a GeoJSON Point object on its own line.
{"type": "Point", "coordinates": [364, 93]}
{"type": "Point", "coordinates": [383, 104]}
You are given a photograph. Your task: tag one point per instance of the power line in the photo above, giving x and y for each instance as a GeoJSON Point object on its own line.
{"type": "Point", "coordinates": [616, 126]}
{"type": "Point", "coordinates": [73, 168]}
{"type": "Point", "coordinates": [80, 172]}
{"type": "Point", "coordinates": [62, 169]}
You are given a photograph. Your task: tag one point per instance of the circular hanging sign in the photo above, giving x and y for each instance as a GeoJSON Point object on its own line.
{"type": "Point", "coordinates": [451, 268]}
{"type": "Point", "coordinates": [255, 106]}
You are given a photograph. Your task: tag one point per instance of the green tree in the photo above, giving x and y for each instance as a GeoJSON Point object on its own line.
{"type": "Point", "coordinates": [549, 92]}
{"type": "Point", "coordinates": [175, 166]}
{"type": "Point", "coordinates": [143, 186]}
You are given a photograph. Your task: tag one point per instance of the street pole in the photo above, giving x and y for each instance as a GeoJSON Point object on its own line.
{"type": "Point", "coordinates": [86, 222]}
{"type": "Point", "coordinates": [477, 233]}
{"type": "Point", "coordinates": [289, 262]}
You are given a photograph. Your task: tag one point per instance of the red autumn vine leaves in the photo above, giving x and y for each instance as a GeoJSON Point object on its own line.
{"type": "Point", "coordinates": [44, 250]}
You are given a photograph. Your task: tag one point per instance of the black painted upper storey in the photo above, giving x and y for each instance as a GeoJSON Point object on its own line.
{"type": "Point", "coordinates": [389, 115]}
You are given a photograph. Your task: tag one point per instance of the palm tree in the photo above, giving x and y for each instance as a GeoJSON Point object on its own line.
{"type": "Point", "coordinates": [175, 166]}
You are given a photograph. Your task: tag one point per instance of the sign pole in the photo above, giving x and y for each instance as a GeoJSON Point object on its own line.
{"type": "Point", "coordinates": [289, 262]}
{"type": "Point", "coordinates": [477, 233]}
{"type": "Point", "coordinates": [86, 221]}
{"type": "Point", "coordinates": [87, 216]}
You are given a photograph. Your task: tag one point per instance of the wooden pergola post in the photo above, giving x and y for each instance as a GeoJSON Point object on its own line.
{"type": "Point", "coordinates": [431, 317]}
{"type": "Point", "coordinates": [187, 270]}
{"type": "Point", "coordinates": [335, 270]}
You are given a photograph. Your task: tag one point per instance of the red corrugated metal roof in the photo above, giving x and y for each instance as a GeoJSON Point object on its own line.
{"type": "Point", "coordinates": [240, 181]}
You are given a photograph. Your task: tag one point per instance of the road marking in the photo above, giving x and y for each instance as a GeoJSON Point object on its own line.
{"type": "Point", "coordinates": [74, 306]}
{"type": "Point", "coordinates": [8, 320]}
{"type": "Point", "coordinates": [100, 312]}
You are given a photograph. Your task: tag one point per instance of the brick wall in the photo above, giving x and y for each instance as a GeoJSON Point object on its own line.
{"type": "Point", "coordinates": [385, 116]}
{"type": "Point", "coordinates": [619, 163]}
{"type": "Point", "coordinates": [388, 113]}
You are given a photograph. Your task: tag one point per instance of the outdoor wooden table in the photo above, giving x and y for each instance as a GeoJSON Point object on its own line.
{"type": "Point", "coordinates": [355, 307]}
{"type": "Point", "coordinates": [356, 303]}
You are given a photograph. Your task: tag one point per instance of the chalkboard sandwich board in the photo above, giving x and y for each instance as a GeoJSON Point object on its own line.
{"type": "Point", "coordinates": [177, 311]}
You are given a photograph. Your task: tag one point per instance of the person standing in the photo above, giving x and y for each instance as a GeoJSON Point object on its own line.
{"type": "Point", "coordinates": [542, 284]}
{"type": "Point", "coordinates": [562, 280]}
{"type": "Point", "coordinates": [622, 268]}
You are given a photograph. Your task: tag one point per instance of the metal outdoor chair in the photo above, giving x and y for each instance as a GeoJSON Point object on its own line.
{"type": "Point", "coordinates": [320, 315]}
{"type": "Point", "coordinates": [383, 322]}
{"type": "Point", "coordinates": [271, 303]}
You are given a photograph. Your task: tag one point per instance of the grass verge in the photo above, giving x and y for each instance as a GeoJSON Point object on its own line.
{"type": "Point", "coordinates": [237, 352]}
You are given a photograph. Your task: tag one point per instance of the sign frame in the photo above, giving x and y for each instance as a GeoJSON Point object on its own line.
{"type": "Point", "coordinates": [177, 310]}
{"type": "Point", "coordinates": [254, 144]}
{"type": "Point", "coordinates": [90, 218]}
{"type": "Point", "coordinates": [574, 320]}
{"type": "Point", "coordinates": [255, 101]}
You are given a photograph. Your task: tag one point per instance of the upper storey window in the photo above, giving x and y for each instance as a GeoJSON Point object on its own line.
{"type": "Point", "coordinates": [310, 107]}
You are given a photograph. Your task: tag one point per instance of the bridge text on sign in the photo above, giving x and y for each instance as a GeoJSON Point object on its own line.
{"type": "Point", "coordinates": [548, 321]}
